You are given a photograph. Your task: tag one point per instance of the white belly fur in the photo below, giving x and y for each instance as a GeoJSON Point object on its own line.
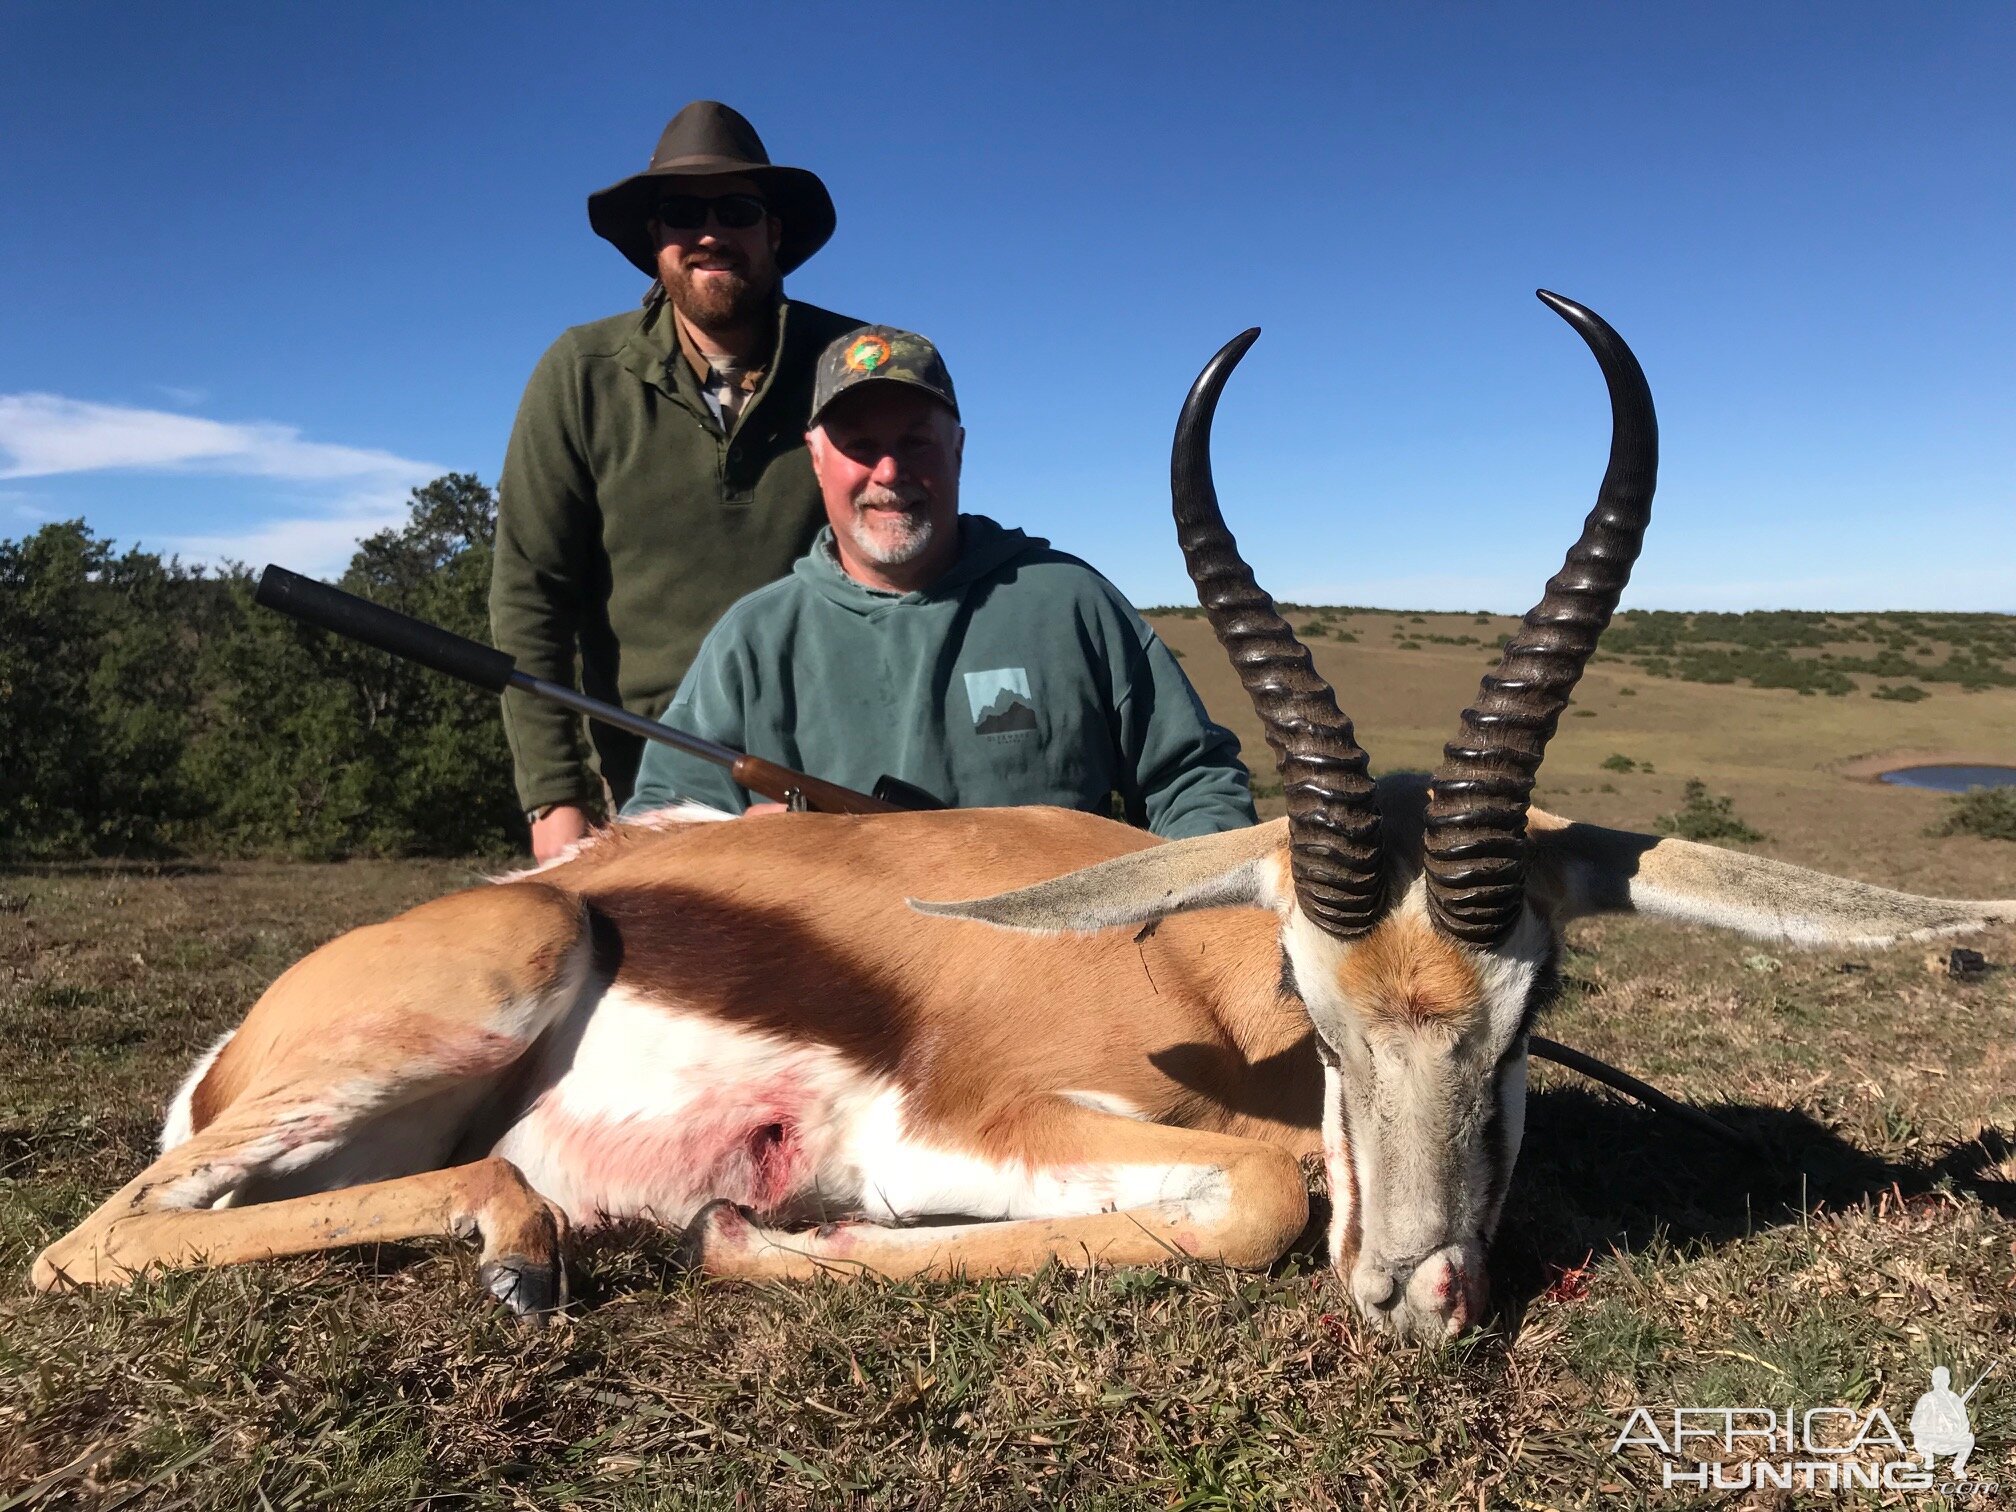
{"type": "Point", "coordinates": [650, 1110]}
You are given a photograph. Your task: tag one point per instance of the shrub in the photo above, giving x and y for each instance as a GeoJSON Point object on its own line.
{"type": "Point", "coordinates": [1902, 693]}
{"type": "Point", "coordinates": [147, 708]}
{"type": "Point", "coordinates": [1619, 763]}
{"type": "Point", "coordinates": [1987, 812]}
{"type": "Point", "coordinates": [1702, 816]}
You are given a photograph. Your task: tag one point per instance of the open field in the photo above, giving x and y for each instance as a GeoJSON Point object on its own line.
{"type": "Point", "coordinates": [1781, 755]}
{"type": "Point", "coordinates": [1639, 1264]}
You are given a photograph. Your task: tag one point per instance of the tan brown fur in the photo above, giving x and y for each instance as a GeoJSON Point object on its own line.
{"type": "Point", "coordinates": [1184, 1014]}
{"type": "Point", "coordinates": [1266, 1208]}
{"type": "Point", "coordinates": [1404, 973]}
{"type": "Point", "coordinates": [487, 944]}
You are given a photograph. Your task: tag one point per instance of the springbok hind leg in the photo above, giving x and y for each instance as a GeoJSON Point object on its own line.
{"type": "Point", "coordinates": [521, 1232]}
{"type": "Point", "coordinates": [344, 1092]}
{"type": "Point", "coordinates": [1065, 1183]}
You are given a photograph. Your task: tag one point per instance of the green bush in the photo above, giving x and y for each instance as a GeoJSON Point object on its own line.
{"type": "Point", "coordinates": [1619, 763]}
{"type": "Point", "coordinates": [1759, 648]}
{"type": "Point", "coordinates": [1902, 693]}
{"type": "Point", "coordinates": [147, 708]}
{"type": "Point", "coordinates": [1704, 817]}
{"type": "Point", "coordinates": [98, 692]}
{"type": "Point", "coordinates": [1987, 812]}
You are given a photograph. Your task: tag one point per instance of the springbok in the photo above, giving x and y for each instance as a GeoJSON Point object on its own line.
{"type": "Point", "coordinates": [746, 1029]}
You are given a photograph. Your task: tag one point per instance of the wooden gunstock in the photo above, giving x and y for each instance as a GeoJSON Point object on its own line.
{"type": "Point", "coordinates": [780, 783]}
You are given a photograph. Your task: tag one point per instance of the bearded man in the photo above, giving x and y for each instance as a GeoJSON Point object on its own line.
{"type": "Point", "coordinates": [657, 470]}
{"type": "Point", "coordinates": [941, 648]}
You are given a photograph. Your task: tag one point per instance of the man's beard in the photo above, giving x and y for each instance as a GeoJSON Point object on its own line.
{"type": "Point", "coordinates": [891, 541]}
{"type": "Point", "coordinates": [721, 300]}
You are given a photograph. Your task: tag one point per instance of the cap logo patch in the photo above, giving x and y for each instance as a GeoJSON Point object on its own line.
{"type": "Point", "coordinates": [867, 354]}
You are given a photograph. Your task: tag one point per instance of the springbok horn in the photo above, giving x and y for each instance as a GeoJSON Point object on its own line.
{"type": "Point", "coordinates": [1476, 829]}
{"type": "Point", "coordinates": [1333, 829]}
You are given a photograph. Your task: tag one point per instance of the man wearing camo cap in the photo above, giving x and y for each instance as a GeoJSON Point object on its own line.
{"type": "Point", "coordinates": [940, 648]}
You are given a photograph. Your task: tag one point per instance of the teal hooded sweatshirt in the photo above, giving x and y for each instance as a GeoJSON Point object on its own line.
{"type": "Point", "coordinates": [1020, 677]}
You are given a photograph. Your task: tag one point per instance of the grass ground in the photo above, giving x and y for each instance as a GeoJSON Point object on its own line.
{"type": "Point", "coordinates": [1638, 1264]}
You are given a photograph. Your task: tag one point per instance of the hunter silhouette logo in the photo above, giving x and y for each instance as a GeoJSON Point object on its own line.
{"type": "Point", "coordinates": [1939, 1423]}
{"type": "Point", "coordinates": [1814, 1449]}
{"type": "Point", "coordinates": [867, 354]}
{"type": "Point", "coordinates": [1003, 708]}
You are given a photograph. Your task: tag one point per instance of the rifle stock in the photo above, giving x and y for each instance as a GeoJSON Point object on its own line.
{"type": "Point", "coordinates": [780, 784]}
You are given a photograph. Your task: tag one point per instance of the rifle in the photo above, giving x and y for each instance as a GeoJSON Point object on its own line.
{"type": "Point", "coordinates": [1977, 1382]}
{"type": "Point", "coordinates": [415, 640]}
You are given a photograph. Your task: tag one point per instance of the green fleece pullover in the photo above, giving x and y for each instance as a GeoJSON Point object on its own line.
{"type": "Point", "coordinates": [627, 521]}
{"type": "Point", "coordinates": [1020, 677]}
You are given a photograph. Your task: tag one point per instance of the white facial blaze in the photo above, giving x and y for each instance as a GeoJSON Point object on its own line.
{"type": "Point", "coordinates": [1417, 1116]}
{"type": "Point", "coordinates": [1512, 1131]}
{"type": "Point", "coordinates": [1337, 1164]}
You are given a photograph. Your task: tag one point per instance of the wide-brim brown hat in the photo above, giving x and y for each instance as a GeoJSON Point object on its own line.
{"type": "Point", "coordinates": [708, 137]}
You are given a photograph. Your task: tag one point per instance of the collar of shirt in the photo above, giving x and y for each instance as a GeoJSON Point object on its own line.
{"type": "Point", "coordinates": [747, 381]}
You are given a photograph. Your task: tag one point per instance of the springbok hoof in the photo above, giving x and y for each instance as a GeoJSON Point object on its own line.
{"type": "Point", "coordinates": [533, 1289]}
{"type": "Point", "coordinates": [719, 1225]}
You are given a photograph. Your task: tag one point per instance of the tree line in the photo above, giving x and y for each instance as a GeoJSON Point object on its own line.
{"type": "Point", "coordinates": [152, 709]}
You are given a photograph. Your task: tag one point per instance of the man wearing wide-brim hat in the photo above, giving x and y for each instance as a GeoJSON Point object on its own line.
{"type": "Point", "coordinates": [657, 470]}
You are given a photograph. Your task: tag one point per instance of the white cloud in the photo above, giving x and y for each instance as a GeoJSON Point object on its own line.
{"type": "Point", "coordinates": [341, 493]}
{"type": "Point", "coordinates": [320, 544]}
{"type": "Point", "coordinates": [47, 434]}
{"type": "Point", "coordinates": [188, 398]}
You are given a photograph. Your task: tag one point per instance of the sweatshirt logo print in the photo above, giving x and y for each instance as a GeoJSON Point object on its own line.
{"type": "Point", "coordinates": [1002, 705]}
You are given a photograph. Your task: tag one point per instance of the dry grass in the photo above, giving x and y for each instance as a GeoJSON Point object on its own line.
{"type": "Point", "coordinates": [1637, 1264]}
{"type": "Point", "coordinates": [1781, 757]}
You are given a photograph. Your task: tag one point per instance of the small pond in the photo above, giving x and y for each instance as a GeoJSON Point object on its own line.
{"type": "Point", "coordinates": [1952, 779]}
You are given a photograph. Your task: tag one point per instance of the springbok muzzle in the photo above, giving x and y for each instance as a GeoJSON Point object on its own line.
{"type": "Point", "coordinates": [1426, 1298]}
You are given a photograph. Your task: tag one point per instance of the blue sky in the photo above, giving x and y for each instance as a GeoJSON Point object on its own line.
{"type": "Point", "coordinates": [267, 267]}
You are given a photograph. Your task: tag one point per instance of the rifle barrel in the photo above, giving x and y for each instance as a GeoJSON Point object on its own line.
{"type": "Point", "coordinates": [623, 719]}
{"type": "Point", "coordinates": [357, 619]}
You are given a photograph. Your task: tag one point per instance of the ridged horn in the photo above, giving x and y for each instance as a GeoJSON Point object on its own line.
{"type": "Point", "coordinates": [1476, 824]}
{"type": "Point", "coordinates": [1333, 828]}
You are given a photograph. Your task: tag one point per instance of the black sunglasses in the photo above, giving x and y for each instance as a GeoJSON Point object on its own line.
{"type": "Point", "coordinates": [688, 212]}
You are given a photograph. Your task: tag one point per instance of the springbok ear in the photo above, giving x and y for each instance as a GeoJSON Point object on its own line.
{"type": "Point", "coordinates": [1240, 868]}
{"type": "Point", "coordinates": [1583, 869]}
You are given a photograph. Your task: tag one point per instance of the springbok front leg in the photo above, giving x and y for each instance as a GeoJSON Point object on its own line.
{"type": "Point", "coordinates": [353, 1078]}
{"type": "Point", "coordinates": [1063, 1182]}
{"type": "Point", "coordinates": [522, 1234]}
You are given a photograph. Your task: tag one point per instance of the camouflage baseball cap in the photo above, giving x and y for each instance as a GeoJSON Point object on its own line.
{"type": "Point", "coordinates": [880, 354]}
